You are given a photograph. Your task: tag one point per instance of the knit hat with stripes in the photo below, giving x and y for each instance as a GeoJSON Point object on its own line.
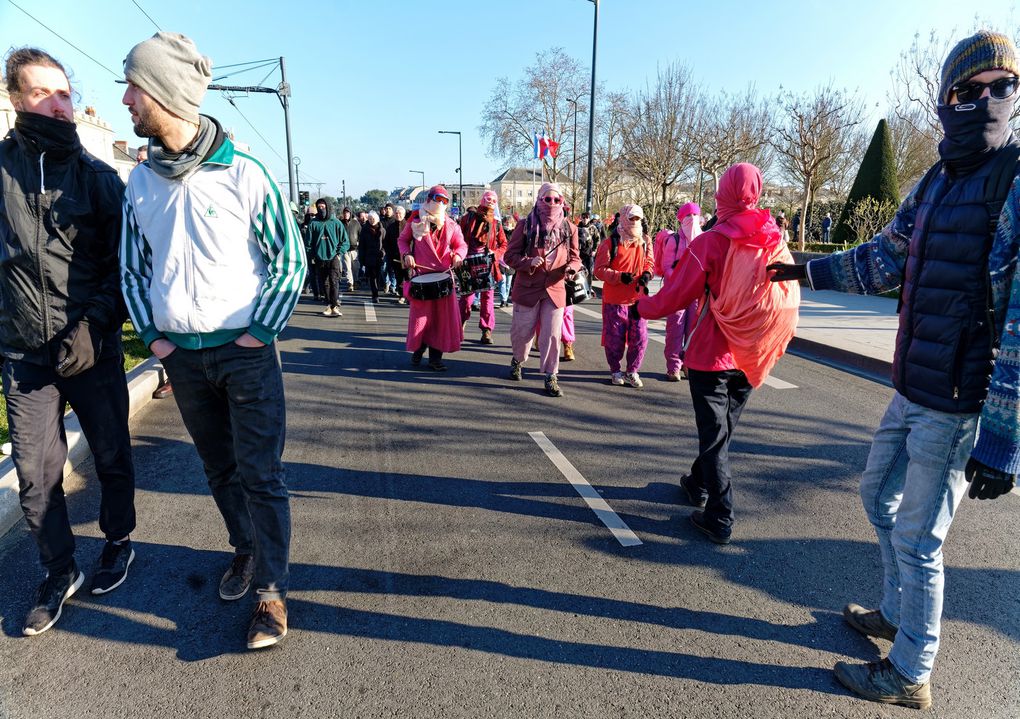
{"type": "Point", "coordinates": [985, 50]}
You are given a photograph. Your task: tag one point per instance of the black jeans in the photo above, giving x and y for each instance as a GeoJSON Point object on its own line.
{"type": "Point", "coordinates": [231, 400]}
{"type": "Point", "coordinates": [375, 274]}
{"type": "Point", "coordinates": [718, 399]}
{"type": "Point", "coordinates": [328, 275]}
{"type": "Point", "coordinates": [35, 413]}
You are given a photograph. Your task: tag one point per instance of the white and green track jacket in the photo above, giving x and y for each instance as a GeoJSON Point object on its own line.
{"type": "Point", "coordinates": [210, 256]}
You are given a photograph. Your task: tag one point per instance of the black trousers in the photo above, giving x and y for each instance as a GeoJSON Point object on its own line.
{"type": "Point", "coordinates": [328, 276]}
{"type": "Point", "coordinates": [35, 414]}
{"type": "Point", "coordinates": [375, 278]}
{"type": "Point", "coordinates": [718, 399]}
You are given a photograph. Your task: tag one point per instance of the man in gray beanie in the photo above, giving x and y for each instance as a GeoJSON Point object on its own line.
{"type": "Point", "coordinates": [210, 307]}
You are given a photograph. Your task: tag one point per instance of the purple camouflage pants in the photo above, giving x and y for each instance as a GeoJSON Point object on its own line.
{"type": "Point", "coordinates": [621, 333]}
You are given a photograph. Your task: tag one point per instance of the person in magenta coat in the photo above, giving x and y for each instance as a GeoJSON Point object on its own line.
{"type": "Point", "coordinates": [432, 242]}
{"type": "Point", "coordinates": [543, 251]}
{"type": "Point", "coordinates": [669, 246]}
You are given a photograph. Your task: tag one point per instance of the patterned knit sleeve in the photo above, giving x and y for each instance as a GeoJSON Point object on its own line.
{"type": "Point", "coordinates": [998, 442]}
{"type": "Point", "coordinates": [873, 267]}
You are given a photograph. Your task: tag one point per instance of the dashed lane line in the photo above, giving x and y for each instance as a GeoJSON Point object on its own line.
{"type": "Point", "coordinates": [624, 535]}
{"type": "Point", "coordinates": [369, 312]}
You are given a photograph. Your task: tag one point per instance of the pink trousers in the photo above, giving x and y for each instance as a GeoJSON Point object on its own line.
{"type": "Point", "coordinates": [549, 319]}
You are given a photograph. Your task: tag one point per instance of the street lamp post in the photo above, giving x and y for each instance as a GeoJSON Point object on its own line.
{"type": "Point", "coordinates": [591, 106]}
{"type": "Point", "coordinates": [460, 162]}
{"type": "Point", "coordinates": [422, 173]}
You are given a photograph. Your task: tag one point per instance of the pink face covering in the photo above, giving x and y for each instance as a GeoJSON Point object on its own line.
{"type": "Point", "coordinates": [690, 226]}
{"type": "Point", "coordinates": [631, 229]}
{"type": "Point", "coordinates": [550, 214]}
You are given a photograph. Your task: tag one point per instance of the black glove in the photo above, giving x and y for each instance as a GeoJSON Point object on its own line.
{"type": "Point", "coordinates": [79, 350]}
{"type": "Point", "coordinates": [987, 482]}
{"type": "Point", "coordinates": [644, 279]}
{"type": "Point", "coordinates": [785, 273]}
{"type": "Point", "coordinates": [626, 278]}
{"type": "Point", "coordinates": [633, 313]}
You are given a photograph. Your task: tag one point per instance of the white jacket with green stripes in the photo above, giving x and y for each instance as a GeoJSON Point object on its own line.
{"type": "Point", "coordinates": [212, 255]}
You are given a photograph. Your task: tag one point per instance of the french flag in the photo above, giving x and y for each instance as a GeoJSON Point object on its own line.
{"type": "Point", "coordinates": [545, 147]}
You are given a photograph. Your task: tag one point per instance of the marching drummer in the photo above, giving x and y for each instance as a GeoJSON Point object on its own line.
{"type": "Point", "coordinates": [485, 240]}
{"type": "Point", "coordinates": [432, 243]}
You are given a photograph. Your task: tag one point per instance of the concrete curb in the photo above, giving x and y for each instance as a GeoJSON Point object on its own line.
{"type": "Point", "coordinates": [871, 368]}
{"type": "Point", "coordinates": [142, 381]}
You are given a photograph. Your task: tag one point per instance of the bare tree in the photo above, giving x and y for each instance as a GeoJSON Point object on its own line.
{"type": "Point", "coordinates": [657, 136]}
{"type": "Point", "coordinates": [730, 129]}
{"type": "Point", "coordinates": [818, 129]}
{"type": "Point", "coordinates": [609, 167]}
{"type": "Point", "coordinates": [914, 148]}
{"type": "Point", "coordinates": [535, 102]}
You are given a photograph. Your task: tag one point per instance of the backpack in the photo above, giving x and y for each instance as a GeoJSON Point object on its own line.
{"type": "Point", "coordinates": [758, 317]}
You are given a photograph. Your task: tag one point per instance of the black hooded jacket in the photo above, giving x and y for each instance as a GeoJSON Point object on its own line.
{"type": "Point", "coordinates": [60, 226]}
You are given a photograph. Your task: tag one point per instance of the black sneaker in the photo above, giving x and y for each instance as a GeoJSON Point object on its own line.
{"type": "Point", "coordinates": [695, 497]}
{"type": "Point", "coordinates": [50, 598]}
{"type": "Point", "coordinates": [698, 520]}
{"type": "Point", "coordinates": [237, 580]}
{"type": "Point", "coordinates": [112, 568]}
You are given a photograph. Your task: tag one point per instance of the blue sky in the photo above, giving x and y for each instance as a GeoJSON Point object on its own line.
{"type": "Point", "coordinates": [373, 82]}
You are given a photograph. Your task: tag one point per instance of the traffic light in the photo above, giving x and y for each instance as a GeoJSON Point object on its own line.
{"type": "Point", "coordinates": [303, 198]}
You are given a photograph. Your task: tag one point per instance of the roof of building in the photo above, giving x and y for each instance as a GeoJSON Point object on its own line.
{"type": "Point", "coordinates": [519, 174]}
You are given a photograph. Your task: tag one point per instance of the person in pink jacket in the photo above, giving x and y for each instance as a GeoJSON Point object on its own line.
{"type": "Point", "coordinates": [543, 251]}
{"type": "Point", "coordinates": [669, 246]}
{"type": "Point", "coordinates": [432, 242]}
{"type": "Point", "coordinates": [719, 390]}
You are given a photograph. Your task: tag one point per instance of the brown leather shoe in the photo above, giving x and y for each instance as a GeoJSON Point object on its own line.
{"type": "Point", "coordinates": [163, 391]}
{"type": "Point", "coordinates": [268, 624]}
{"type": "Point", "coordinates": [568, 352]}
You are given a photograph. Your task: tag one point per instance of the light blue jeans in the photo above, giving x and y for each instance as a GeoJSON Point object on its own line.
{"type": "Point", "coordinates": [911, 488]}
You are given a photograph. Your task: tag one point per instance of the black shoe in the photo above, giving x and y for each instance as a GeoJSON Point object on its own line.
{"type": "Point", "coordinates": [416, 357]}
{"type": "Point", "coordinates": [437, 366]}
{"type": "Point", "coordinates": [113, 567]}
{"type": "Point", "coordinates": [698, 520]}
{"type": "Point", "coordinates": [515, 370]}
{"type": "Point", "coordinates": [237, 579]}
{"type": "Point", "coordinates": [50, 598]}
{"type": "Point", "coordinates": [695, 497]}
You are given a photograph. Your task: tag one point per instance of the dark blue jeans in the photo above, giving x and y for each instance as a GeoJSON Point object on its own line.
{"type": "Point", "coordinates": [718, 399]}
{"type": "Point", "coordinates": [35, 413]}
{"type": "Point", "coordinates": [231, 400]}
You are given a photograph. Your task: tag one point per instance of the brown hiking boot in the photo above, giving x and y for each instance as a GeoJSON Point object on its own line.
{"type": "Point", "coordinates": [880, 682]}
{"type": "Point", "coordinates": [568, 352]}
{"type": "Point", "coordinates": [237, 579]}
{"type": "Point", "coordinates": [268, 624]}
{"type": "Point", "coordinates": [869, 622]}
{"type": "Point", "coordinates": [486, 337]}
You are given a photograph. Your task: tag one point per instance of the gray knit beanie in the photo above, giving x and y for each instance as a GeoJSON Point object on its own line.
{"type": "Point", "coordinates": [169, 67]}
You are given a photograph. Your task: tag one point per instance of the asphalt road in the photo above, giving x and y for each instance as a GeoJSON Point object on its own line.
{"type": "Point", "coordinates": [444, 566]}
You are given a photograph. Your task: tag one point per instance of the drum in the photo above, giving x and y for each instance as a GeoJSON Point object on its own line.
{"type": "Point", "coordinates": [431, 286]}
{"type": "Point", "coordinates": [476, 273]}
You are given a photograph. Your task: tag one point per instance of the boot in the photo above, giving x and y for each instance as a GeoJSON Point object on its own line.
{"type": "Point", "coordinates": [568, 352]}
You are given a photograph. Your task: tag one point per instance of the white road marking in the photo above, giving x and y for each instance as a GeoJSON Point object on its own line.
{"type": "Point", "coordinates": [624, 535]}
{"type": "Point", "coordinates": [778, 383]}
{"type": "Point", "coordinates": [369, 312]}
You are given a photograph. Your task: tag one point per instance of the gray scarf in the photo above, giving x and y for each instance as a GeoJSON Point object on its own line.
{"type": "Point", "coordinates": [174, 165]}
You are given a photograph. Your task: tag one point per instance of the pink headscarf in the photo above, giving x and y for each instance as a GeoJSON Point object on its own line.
{"type": "Point", "coordinates": [737, 208]}
{"type": "Point", "coordinates": [549, 215]}
{"type": "Point", "coordinates": [631, 230]}
{"type": "Point", "coordinates": [489, 199]}
{"type": "Point", "coordinates": [691, 208]}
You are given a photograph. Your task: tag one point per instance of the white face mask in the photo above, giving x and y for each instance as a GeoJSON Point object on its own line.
{"type": "Point", "coordinates": [691, 226]}
{"type": "Point", "coordinates": [436, 210]}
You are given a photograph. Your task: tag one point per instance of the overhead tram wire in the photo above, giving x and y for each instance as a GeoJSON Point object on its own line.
{"type": "Point", "coordinates": [254, 129]}
{"type": "Point", "coordinates": [272, 63]}
{"type": "Point", "coordinates": [64, 39]}
{"type": "Point", "coordinates": [147, 15]}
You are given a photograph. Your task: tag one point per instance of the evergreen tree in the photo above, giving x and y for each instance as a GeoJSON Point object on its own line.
{"type": "Point", "coordinates": [876, 178]}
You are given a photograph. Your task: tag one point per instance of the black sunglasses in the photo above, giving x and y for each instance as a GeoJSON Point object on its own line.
{"type": "Point", "coordinates": [971, 91]}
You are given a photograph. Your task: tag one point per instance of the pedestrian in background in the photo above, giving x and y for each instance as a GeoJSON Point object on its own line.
{"type": "Point", "coordinates": [371, 254]}
{"type": "Point", "coordinates": [669, 248]}
{"type": "Point", "coordinates": [625, 264]}
{"type": "Point", "coordinates": [327, 242]}
{"type": "Point", "coordinates": [351, 270]}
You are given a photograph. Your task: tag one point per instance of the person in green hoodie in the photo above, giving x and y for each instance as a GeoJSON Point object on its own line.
{"type": "Point", "coordinates": [327, 242]}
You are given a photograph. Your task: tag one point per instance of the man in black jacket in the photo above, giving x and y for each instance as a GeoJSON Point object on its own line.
{"type": "Point", "coordinates": [60, 318]}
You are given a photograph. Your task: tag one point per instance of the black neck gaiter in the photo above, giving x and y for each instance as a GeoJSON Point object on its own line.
{"type": "Point", "coordinates": [57, 138]}
{"type": "Point", "coordinates": [974, 131]}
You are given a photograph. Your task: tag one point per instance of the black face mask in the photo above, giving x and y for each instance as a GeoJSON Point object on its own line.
{"type": "Point", "coordinates": [320, 212]}
{"type": "Point", "coordinates": [57, 138]}
{"type": "Point", "coordinates": [974, 131]}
